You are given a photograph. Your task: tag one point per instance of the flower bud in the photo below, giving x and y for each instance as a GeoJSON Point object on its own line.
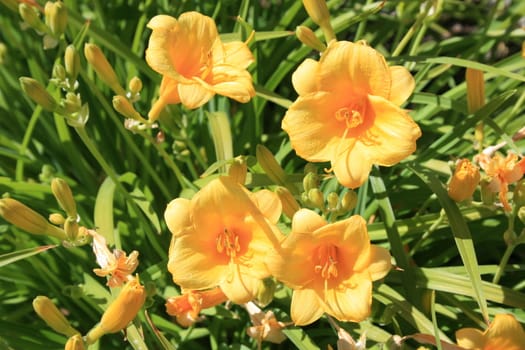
{"type": "Point", "coordinates": [318, 12]}
{"type": "Point", "coordinates": [104, 70]}
{"type": "Point", "coordinates": [475, 89]}
{"type": "Point", "coordinates": [349, 200]}
{"type": "Point", "coordinates": [27, 219]}
{"type": "Point", "coordinates": [72, 63]}
{"type": "Point", "coordinates": [37, 92]}
{"type": "Point", "coordinates": [464, 181]}
{"type": "Point", "coordinates": [56, 17]}
{"type": "Point", "coordinates": [71, 228]}
{"type": "Point", "coordinates": [59, 72]}
{"type": "Point", "coordinates": [75, 343]}
{"type": "Point", "coordinates": [125, 108]}
{"type": "Point", "coordinates": [290, 205]}
{"type": "Point", "coordinates": [332, 201]}
{"type": "Point", "coordinates": [316, 198]}
{"type": "Point", "coordinates": [265, 291]}
{"type": "Point", "coordinates": [238, 170]}
{"type": "Point", "coordinates": [57, 219]}
{"type": "Point", "coordinates": [52, 316]}
{"type": "Point", "coordinates": [64, 196]}
{"type": "Point", "coordinates": [488, 196]}
{"type": "Point", "coordinates": [307, 37]}
{"type": "Point", "coordinates": [310, 180]}
{"type": "Point", "coordinates": [135, 86]}
{"type": "Point", "coordinates": [120, 312]}
{"type": "Point", "coordinates": [29, 15]}
{"type": "Point", "coordinates": [72, 103]}
{"type": "Point", "coordinates": [519, 194]}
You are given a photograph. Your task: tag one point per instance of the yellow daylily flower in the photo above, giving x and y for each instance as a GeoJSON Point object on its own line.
{"type": "Point", "coordinates": [221, 236]}
{"type": "Point", "coordinates": [502, 172]}
{"type": "Point", "coordinates": [330, 267]}
{"type": "Point", "coordinates": [195, 63]}
{"type": "Point", "coordinates": [504, 333]}
{"type": "Point", "coordinates": [348, 111]}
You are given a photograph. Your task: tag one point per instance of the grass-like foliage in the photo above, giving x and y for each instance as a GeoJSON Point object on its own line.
{"type": "Point", "coordinates": [406, 182]}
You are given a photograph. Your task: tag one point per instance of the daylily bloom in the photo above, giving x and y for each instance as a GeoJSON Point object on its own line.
{"type": "Point", "coordinates": [186, 307]}
{"type": "Point", "coordinates": [348, 111]}
{"type": "Point", "coordinates": [504, 333]}
{"type": "Point", "coordinates": [116, 264]}
{"type": "Point", "coordinates": [464, 181]}
{"type": "Point", "coordinates": [502, 172]}
{"type": "Point", "coordinates": [221, 236]}
{"type": "Point", "coordinates": [195, 63]}
{"type": "Point", "coordinates": [330, 267]}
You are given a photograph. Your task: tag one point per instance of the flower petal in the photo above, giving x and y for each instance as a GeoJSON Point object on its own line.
{"type": "Point", "coordinates": [307, 221]}
{"type": "Point", "coordinates": [313, 130]}
{"type": "Point", "coordinates": [380, 262]}
{"type": "Point", "coordinates": [269, 204]}
{"type": "Point", "coordinates": [470, 338]}
{"type": "Point", "coordinates": [194, 95]}
{"type": "Point", "coordinates": [177, 215]}
{"type": "Point", "coordinates": [403, 85]}
{"type": "Point", "coordinates": [505, 326]}
{"type": "Point", "coordinates": [352, 167]}
{"type": "Point", "coordinates": [239, 287]}
{"type": "Point", "coordinates": [304, 77]}
{"type": "Point", "coordinates": [393, 134]}
{"type": "Point", "coordinates": [232, 82]}
{"type": "Point", "coordinates": [237, 54]}
{"type": "Point", "coordinates": [305, 308]}
{"type": "Point", "coordinates": [353, 303]}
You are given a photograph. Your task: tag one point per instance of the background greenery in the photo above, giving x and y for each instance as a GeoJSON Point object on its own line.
{"type": "Point", "coordinates": [431, 238]}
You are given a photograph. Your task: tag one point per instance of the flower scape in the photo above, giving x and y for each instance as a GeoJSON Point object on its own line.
{"type": "Point", "coordinates": [262, 175]}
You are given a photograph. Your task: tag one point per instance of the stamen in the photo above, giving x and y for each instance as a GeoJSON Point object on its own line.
{"type": "Point", "coordinates": [327, 262]}
{"type": "Point", "coordinates": [228, 242]}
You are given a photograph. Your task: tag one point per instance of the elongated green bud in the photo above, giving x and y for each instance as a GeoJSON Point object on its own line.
{"type": "Point", "coordinates": [38, 93]}
{"type": "Point", "coordinates": [290, 205]}
{"type": "Point", "coordinates": [316, 198]}
{"type": "Point", "coordinates": [72, 63]}
{"type": "Point", "coordinates": [332, 201]}
{"type": "Point", "coordinates": [307, 37]}
{"type": "Point", "coordinates": [318, 12]}
{"type": "Point", "coordinates": [52, 316]}
{"type": "Point", "coordinates": [348, 200]}
{"type": "Point", "coordinates": [75, 343]}
{"type": "Point", "coordinates": [64, 196]}
{"type": "Point", "coordinates": [104, 70]}
{"type": "Point", "coordinates": [238, 170]}
{"type": "Point", "coordinates": [30, 16]}
{"type": "Point", "coordinates": [135, 86]}
{"type": "Point", "coordinates": [56, 17]}
{"type": "Point", "coordinates": [27, 219]}
{"type": "Point", "coordinates": [124, 107]}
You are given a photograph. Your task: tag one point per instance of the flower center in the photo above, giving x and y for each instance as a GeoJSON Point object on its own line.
{"type": "Point", "coordinates": [353, 114]}
{"type": "Point", "coordinates": [228, 243]}
{"type": "Point", "coordinates": [327, 261]}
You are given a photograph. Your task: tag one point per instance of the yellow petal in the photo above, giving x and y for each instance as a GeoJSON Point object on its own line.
{"type": "Point", "coordinates": [177, 215]}
{"type": "Point", "coordinates": [304, 77]}
{"type": "Point", "coordinates": [393, 133]}
{"type": "Point", "coordinates": [305, 308]}
{"type": "Point", "coordinates": [380, 262]}
{"type": "Point", "coordinates": [306, 220]}
{"type": "Point", "coordinates": [239, 287]}
{"type": "Point", "coordinates": [194, 95]}
{"type": "Point", "coordinates": [232, 82]}
{"type": "Point", "coordinates": [403, 85]}
{"type": "Point", "coordinates": [353, 166]}
{"type": "Point", "coordinates": [269, 204]}
{"type": "Point", "coordinates": [354, 69]}
{"type": "Point", "coordinates": [350, 304]}
{"type": "Point", "coordinates": [236, 53]}
{"type": "Point", "coordinates": [470, 338]}
{"type": "Point", "coordinates": [313, 130]}
{"type": "Point", "coordinates": [505, 326]}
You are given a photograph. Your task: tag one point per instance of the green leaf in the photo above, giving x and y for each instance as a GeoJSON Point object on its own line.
{"type": "Point", "coordinates": [6, 259]}
{"type": "Point", "coordinates": [104, 210]}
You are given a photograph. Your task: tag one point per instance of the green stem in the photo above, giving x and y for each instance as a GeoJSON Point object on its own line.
{"type": "Point", "coordinates": [413, 29]}
{"type": "Point", "coordinates": [503, 263]}
{"type": "Point", "coordinates": [19, 171]}
{"type": "Point", "coordinates": [431, 229]}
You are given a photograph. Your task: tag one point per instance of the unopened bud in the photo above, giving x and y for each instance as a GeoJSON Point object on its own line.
{"type": "Point", "coordinates": [475, 89]}
{"type": "Point", "coordinates": [57, 219]}
{"type": "Point", "coordinates": [38, 93]}
{"type": "Point", "coordinates": [104, 70]}
{"type": "Point", "coordinates": [349, 200]}
{"type": "Point", "coordinates": [332, 201]}
{"type": "Point", "coordinates": [308, 37]}
{"type": "Point", "coordinates": [27, 219]}
{"type": "Point", "coordinates": [52, 316]}
{"type": "Point", "coordinates": [56, 17]}
{"type": "Point", "coordinates": [318, 12]}
{"type": "Point", "coordinates": [316, 198]}
{"type": "Point", "coordinates": [64, 196]}
{"type": "Point", "coordinates": [238, 170]}
{"type": "Point", "coordinates": [71, 228]}
{"type": "Point", "coordinates": [519, 194]}
{"type": "Point", "coordinates": [135, 86]}
{"type": "Point", "coordinates": [59, 72]}
{"type": "Point", "coordinates": [120, 312]}
{"type": "Point", "coordinates": [290, 205]}
{"type": "Point", "coordinates": [75, 343]}
{"type": "Point", "coordinates": [488, 196]}
{"type": "Point", "coordinates": [72, 63]}
{"type": "Point", "coordinates": [310, 180]}
{"type": "Point", "coordinates": [125, 108]}
{"type": "Point", "coordinates": [521, 214]}
{"type": "Point", "coordinates": [72, 103]}
{"type": "Point", "coordinates": [30, 16]}
{"type": "Point", "coordinates": [464, 181]}
{"type": "Point", "coordinates": [265, 291]}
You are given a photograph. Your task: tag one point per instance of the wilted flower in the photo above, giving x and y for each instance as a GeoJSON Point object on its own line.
{"type": "Point", "coordinates": [186, 307]}
{"type": "Point", "coordinates": [116, 264]}
{"type": "Point", "coordinates": [220, 238]}
{"type": "Point", "coordinates": [330, 267]}
{"type": "Point", "coordinates": [502, 172]}
{"type": "Point", "coordinates": [464, 181]}
{"type": "Point", "coordinates": [265, 325]}
{"type": "Point", "coordinates": [504, 333]}
{"type": "Point", "coordinates": [348, 111]}
{"type": "Point", "coordinates": [195, 63]}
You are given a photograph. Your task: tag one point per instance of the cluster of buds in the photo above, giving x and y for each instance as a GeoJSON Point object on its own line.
{"type": "Point", "coordinates": [54, 24]}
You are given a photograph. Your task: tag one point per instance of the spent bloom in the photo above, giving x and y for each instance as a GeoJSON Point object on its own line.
{"type": "Point", "coordinates": [330, 266]}
{"type": "Point", "coordinates": [265, 326]}
{"type": "Point", "coordinates": [348, 111]}
{"type": "Point", "coordinates": [502, 172]}
{"type": "Point", "coordinates": [464, 181]}
{"type": "Point", "coordinates": [195, 64]}
{"type": "Point", "coordinates": [504, 333]}
{"type": "Point", "coordinates": [117, 265]}
{"type": "Point", "coordinates": [186, 307]}
{"type": "Point", "coordinates": [221, 236]}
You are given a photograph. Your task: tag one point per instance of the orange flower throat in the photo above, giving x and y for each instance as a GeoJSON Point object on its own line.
{"type": "Point", "coordinates": [228, 243]}
{"type": "Point", "coordinates": [353, 114]}
{"type": "Point", "coordinates": [327, 261]}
